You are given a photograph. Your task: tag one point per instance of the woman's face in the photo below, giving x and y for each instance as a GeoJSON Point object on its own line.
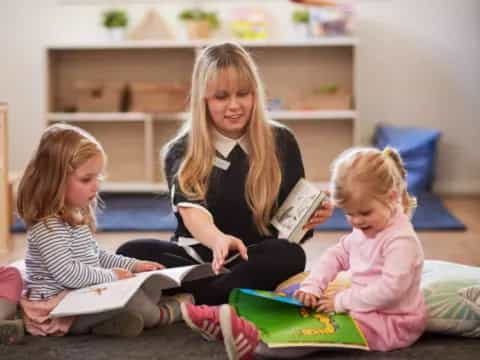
{"type": "Point", "coordinates": [230, 104]}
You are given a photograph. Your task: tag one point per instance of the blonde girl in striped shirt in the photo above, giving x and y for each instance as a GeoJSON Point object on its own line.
{"type": "Point", "coordinates": [57, 200]}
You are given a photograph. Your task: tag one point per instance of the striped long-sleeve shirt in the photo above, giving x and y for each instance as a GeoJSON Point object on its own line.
{"type": "Point", "coordinates": [60, 256]}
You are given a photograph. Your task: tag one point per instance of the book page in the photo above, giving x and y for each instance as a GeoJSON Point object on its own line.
{"type": "Point", "coordinates": [98, 298]}
{"type": "Point", "coordinates": [115, 295]}
{"type": "Point", "coordinates": [283, 323]}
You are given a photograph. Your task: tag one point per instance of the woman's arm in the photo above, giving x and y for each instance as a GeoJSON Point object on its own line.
{"type": "Point", "coordinates": [200, 224]}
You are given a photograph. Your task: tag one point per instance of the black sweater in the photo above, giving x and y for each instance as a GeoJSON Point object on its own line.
{"type": "Point", "coordinates": [225, 199]}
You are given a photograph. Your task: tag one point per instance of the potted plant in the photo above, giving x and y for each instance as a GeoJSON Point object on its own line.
{"type": "Point", "coordinates": [301, 19]}
{"type": "Point", "coordinates": [199, 23]}
{"type": "Point", "coordinates": [115, 21]}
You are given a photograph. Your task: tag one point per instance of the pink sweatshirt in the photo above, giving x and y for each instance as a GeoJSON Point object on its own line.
{"type": "Point", "coordinates": [385, 296]}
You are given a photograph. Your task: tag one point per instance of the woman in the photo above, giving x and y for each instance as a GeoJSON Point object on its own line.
{"type": "Point", "coordinates": [228, 170]}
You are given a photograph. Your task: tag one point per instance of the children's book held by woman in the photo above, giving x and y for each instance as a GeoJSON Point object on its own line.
{"type": "Point", "coordinates": [298, 207]}
{"type": "Point", "coordinates": [115, 295]}
{"type": "Point", "coordinates": [285, 322]}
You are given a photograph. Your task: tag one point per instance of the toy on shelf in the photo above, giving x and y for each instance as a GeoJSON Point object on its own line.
{"type": "Point", "coordinates": [330, 20]}
{"type": "Point", "coordinates": [151, 27]}
{"type": "Point", "coordinates": [328, 17]}
{"type": "Point", "coordinates": [249, 24]}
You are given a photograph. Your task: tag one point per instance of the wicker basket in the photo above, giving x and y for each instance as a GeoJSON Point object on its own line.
{"type": "Point", "coordinates": [157, 97]}
{"type": "Point", "coordinates": [98, 96]}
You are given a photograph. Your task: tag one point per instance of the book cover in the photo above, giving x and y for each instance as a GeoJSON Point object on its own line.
{"type": "Point", "coordinates": [295, 211]}
{"type": "Point", "coordinates": [115, 295]}
{"type": "Point", "coordinates": [285, 322]}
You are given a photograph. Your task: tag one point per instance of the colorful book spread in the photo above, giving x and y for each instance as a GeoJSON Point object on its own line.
{"type": "Point", "coordinates": [285, 322]}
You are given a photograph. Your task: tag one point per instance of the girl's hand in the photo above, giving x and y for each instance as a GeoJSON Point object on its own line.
{"type": "Point", "coordinates": [221, 248]}
{"type": "Point", "coordinates": [323, 212]}
{"type": "Point", "coordinates": [122, 273]}
{"type": "Point", "coordinates": [326, 303]}
{"type": "Point", "coordinates": [141, 266]}
{"type": "Point", "coordinates": [309, 300]}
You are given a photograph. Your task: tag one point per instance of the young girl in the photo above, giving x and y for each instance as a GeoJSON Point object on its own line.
{"type": "Point", "coordinates": [11, 284]}
{"type": "Point", "coordinates": [382, 252]}
{"type": "Point", "coordinates": [57, 199]}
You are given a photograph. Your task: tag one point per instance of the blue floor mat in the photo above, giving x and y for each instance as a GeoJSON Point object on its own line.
{"type": "Point", "coordinates": [147, 212]}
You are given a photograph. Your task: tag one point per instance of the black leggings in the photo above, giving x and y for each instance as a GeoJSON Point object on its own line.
{"type": "Point", "coordinates": [270, 262]}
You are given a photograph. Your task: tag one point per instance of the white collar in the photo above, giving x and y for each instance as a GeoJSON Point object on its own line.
{"type": "Point", "coordinates": [225, 145]}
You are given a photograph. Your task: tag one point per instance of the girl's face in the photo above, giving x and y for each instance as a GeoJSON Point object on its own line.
{"type": "Point", "coordinates": [83, 183]}
{"type": "Point", "coordinates": [230, 104]}
{"type": "Point", "coordinates": [370, 217]}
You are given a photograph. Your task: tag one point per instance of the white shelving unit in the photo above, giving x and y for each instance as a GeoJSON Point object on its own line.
{"type": "Point", "coordinates": [133, 140]}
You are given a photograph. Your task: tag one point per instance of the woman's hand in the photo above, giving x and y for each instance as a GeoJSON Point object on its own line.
{"type": "Point", "coordinates": [141, 266]}
{"type": "Point", "coordinates": [309, 300]}
{"type": "Point", "coordinates": [326, 303]}
{"type": "Point", "coordinates": [222, 246]}
{"type": "Point", "coordinates": [323, 212]}
{"type": "Point", "coordinates": [121, 273]}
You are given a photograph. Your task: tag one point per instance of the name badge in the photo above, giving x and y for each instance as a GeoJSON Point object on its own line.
{"type": "Point", "coordinates": [220, 163]}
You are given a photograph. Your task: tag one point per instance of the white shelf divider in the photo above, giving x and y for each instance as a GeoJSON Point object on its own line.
{"type": "Point", "coordinates": [182, 116]}
{"type": "Point", "coordinates": [192, 44]}
{"type": "Point", "coordinates": [313, 115]}
{"type": "Point", "coordinates": [97, 117]}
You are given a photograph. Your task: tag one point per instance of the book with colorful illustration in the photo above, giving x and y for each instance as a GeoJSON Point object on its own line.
{"type": "Point", "coordinates": [285, 322]}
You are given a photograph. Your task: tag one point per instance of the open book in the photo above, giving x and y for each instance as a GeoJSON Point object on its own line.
{"type": "Point", "coordinates": [286, 322]}
{"type": "Point", "coordinates": [295, 211]}
{"type": "Point", "coordinates": [115, 295]}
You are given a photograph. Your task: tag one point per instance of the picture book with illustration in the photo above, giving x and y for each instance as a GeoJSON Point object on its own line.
{"type": "Point", "coordinates": [285, 322]}
{"type": "Point", "coordinates": [115, 295]}
{"type": "Point", "coordinates": [298, 207]}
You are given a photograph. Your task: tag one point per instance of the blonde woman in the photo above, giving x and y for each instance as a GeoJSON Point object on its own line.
{"type": "Point", "coordinates": [228, 169]}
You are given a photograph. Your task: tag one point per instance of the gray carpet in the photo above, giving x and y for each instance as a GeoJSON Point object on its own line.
{"type": "Point", "coordinates": [178, 342]}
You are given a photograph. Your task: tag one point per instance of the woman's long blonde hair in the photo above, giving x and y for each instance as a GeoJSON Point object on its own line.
{"type": "Point", "coordinates": [41, 194]}
{"type": "Point", "coordinates": [369, 172]}
{"type": "Point", "coordinates": [264, 176]}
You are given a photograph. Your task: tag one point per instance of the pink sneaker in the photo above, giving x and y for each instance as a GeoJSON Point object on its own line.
{"type": "Point", "coordinates": [203, 319]}
{"type": "Point", "coordinates": [240, 336]}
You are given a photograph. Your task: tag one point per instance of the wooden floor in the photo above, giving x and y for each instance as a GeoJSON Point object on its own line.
{"type": "Point", "coordinates": [457, 246]}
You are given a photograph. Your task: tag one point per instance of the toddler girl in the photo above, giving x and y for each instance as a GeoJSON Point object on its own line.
{"type": "Point", "coordinates": [382, 252]}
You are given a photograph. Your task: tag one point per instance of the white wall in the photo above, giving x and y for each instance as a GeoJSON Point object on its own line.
{"type": "Point", "coordinates": [417, 64]}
